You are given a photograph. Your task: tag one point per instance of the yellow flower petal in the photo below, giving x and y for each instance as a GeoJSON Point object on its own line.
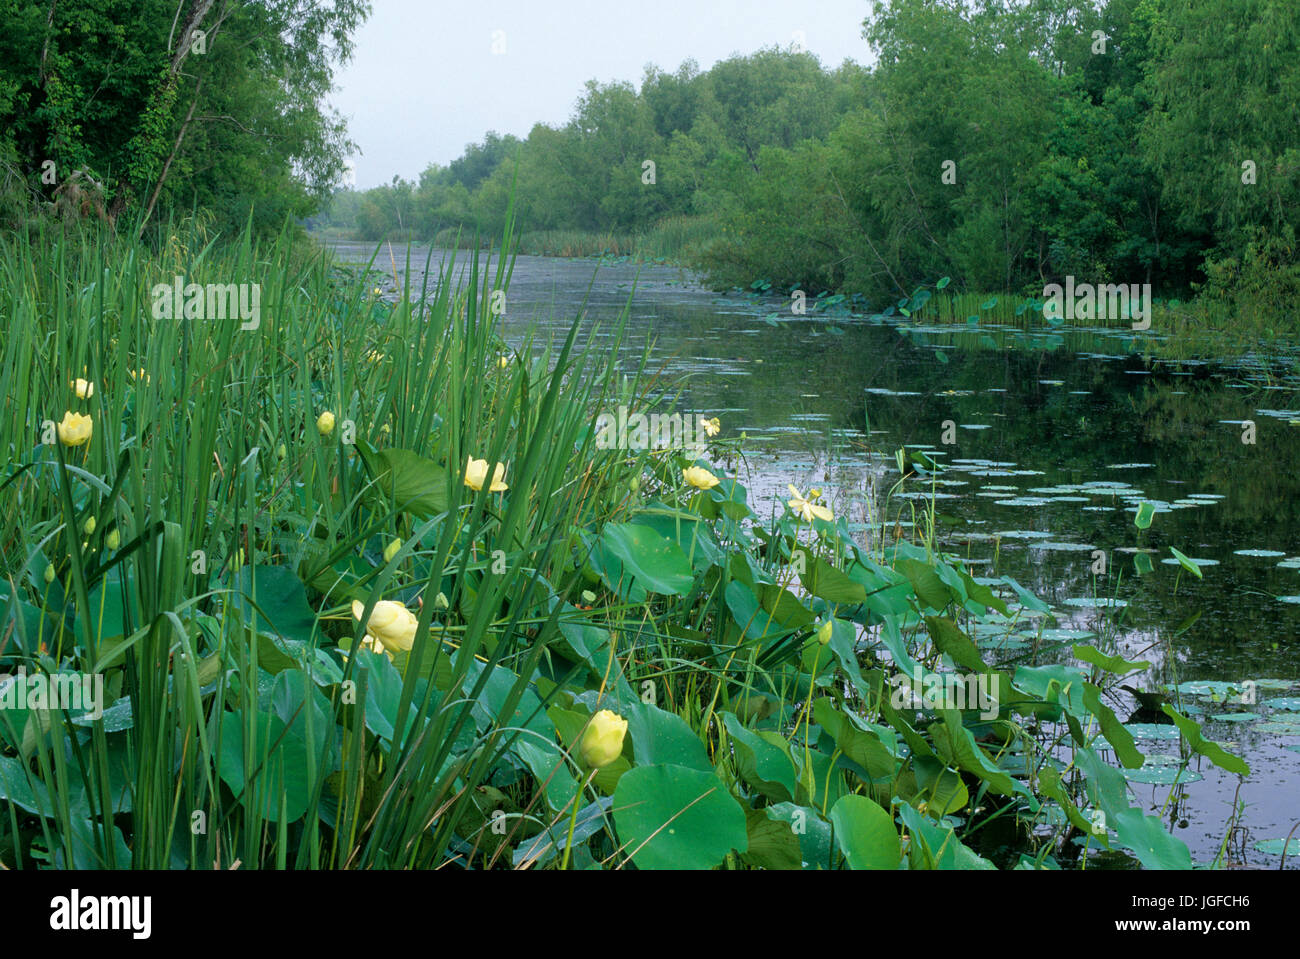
{"type": "Point", "coordinates": [700, 478]}
{"type": "Point", "coordinates": [476, 475]}
{"type": "Point", "coordinates": [602, 741]}
{"type": "Point", "coordinates": [75, 429]}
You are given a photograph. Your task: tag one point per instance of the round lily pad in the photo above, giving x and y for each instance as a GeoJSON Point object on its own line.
{"type": "Point", "coordinates": [1279, 728]}
{"type": "Point", "coordinates": [1235, 717]}
{"type": "Point", "coordinates": [1275, 847]}
{"type": "Point", "coordinates": [1066, 635]}
{"type": "Point", "coordinates": [1162, 759]}
{"type": "Point", "coordinates": [1095, 602]}
{"type": "Point", "coordinates": [1152, 731]}
{"type": "Point", "coordinates": [673, 817]}
{"type": "Point", "coordinates": [1208, 687]}
{"type": "Point", "coordinates": [1162, 775]}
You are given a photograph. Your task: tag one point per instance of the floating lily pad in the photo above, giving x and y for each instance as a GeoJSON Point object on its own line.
{"type": "Point", "coordinates": [1152, 731]}
{"type": "Point", "coordinates": [1162, 775]}
{"type": "Point", "coordinates": [1295, 600]}
{"type": "Point", "coordinates": [1235, 717]}
{"type": "Point", "coordinates": [1208, 687]}
{"type": "Point", "coordinates": [1279, 728]}
{"type": "Point", "coordinates": [1258, 552]}
{"type": "Point", "coordinates": [1275, 847]}
{"type": "Point", "coordinates": [1067, 635]}
{"type": "Point", "coordinates": [1283, 702]}
{"type": "Point", "coordinates": [1163, 759]}
{"type": "Point", "coordinates": [1099, 602]}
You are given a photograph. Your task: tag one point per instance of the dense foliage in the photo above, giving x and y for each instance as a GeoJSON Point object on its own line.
{"type": "Point", "coordinates": [117, 109]}
{"type": "Point", "coordinates": [1000, 142]}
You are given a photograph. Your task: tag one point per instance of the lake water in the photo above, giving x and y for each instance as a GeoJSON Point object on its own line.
{"type": "Point", "coordinates": [1056, 436]}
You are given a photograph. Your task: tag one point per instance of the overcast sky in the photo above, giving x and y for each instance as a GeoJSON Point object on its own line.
{"type": "Point", "coordinates": [424, 80]}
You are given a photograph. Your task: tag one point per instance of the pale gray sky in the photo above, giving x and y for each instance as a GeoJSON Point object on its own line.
{"type": "Point", "coordinates": [424, 80]}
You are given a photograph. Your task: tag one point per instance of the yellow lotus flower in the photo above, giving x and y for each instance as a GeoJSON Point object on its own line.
{"type": "Point", "coordinates": [83, 388]}
{"type": "Point", "coordinates": [476, 475]}
{"type": "Point", "coordinates": [712, 427]}
{"type": "Point", "coordinates": [700, 478]}
{"type": "Point", "coordinates": [325, 423]}
{"type": "Point", "coordinates": [392, 624]}
{"type": "Point", "coordinates": [807, 509]}
{"type": "Point", "coordinates": [391, 550]}
{"type": "Point", "coordinates": [825, 631]}
{"type": "Point", "coordinates": [602, 742]}
{"type": "Point", "coordinates": [75, 429]}
{"type": "Point", "coordinates": [503, 362]}
{"type": "Point", "coordinates": [113, 540]}
{"type": "Point", "coordinates": [50, 573]}
{"type": "Point", "coordinates": [88, 526]}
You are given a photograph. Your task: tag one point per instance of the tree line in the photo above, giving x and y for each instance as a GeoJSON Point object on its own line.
{"type": "Point", "coordinates": [1003, 143]}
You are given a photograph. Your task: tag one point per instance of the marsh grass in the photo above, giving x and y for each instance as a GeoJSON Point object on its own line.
{"type": "Point", "coordinates": [212, 475]}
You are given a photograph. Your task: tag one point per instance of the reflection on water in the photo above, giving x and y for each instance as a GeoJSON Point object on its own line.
{"type": "Point", "coordinates": [1051, 438]}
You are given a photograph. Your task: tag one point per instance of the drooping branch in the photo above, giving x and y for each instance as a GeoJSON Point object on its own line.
{"type": "Point", "coordinates": [167, 165]}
